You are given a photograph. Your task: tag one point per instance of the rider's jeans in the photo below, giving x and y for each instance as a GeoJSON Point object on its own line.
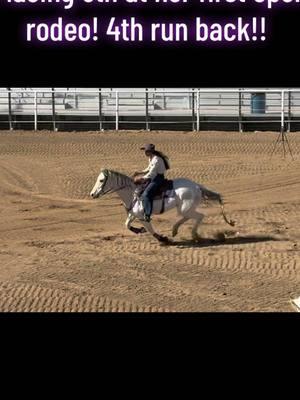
{"type": "Point", "coordinates": [150, 192]}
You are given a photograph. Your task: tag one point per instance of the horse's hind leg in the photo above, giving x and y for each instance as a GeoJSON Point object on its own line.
{"type": "Point", "coordinates": [198, 217]}
{"type": "Point", "coordinates": [178, 224]}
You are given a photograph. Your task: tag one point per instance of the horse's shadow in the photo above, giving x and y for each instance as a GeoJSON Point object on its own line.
{"type": "Point", "coordinates": [212, 242]}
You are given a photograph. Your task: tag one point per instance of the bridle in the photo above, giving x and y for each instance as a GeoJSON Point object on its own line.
{"type": "Point", "coordinates": [111, 190]}
{"type": "Point", "coordinates": [115, 190]}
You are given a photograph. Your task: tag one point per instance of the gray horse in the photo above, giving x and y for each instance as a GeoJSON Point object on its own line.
{"type": "Point", "coordinates": [185, 196]}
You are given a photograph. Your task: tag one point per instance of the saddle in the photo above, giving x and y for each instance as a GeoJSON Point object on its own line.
{"type": "Point", "coordinates": [166, 186]}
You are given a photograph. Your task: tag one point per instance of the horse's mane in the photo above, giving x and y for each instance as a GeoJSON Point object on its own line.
{"type": "Point", "coordinates": [119, 175]}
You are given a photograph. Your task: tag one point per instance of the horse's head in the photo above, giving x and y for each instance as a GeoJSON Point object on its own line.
{"type": "Point", "coordinates": [101, 185]}
{"type": "Point", "coordinates": [110, 181]}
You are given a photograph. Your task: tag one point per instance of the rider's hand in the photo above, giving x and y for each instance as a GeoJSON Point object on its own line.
{"type": "Point", "coordinates": [139, 180]}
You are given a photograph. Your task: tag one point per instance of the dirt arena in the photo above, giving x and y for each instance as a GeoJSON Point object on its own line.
{"type": "Point", "coordinates": [62, 251]}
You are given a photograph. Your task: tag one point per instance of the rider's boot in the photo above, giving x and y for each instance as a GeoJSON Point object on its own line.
{"type": "Point", "coordinates": [147, 218]}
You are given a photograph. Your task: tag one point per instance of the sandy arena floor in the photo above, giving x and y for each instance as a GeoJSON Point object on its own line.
{"type": "Point", "coordinates": [61, 251]}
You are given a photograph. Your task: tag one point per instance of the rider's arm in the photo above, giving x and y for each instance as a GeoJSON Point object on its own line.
{"type": "Point", "coordinates": [152, 169]}
{"type": "Point", "coordinates": [148, 168]}
{"type": "Point", "coordinates": [141, 172]}
{"type": "Point", "coordinates": [144, 171]}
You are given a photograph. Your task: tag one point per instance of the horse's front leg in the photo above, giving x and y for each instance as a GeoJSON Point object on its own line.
{"type": "Point", "coordinates": [128, 222]}
{"type": "Point", "coordinates": [149, 228]}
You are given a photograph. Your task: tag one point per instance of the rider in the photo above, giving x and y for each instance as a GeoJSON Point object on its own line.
{"type": "Point", "coordinates": [158, 164]}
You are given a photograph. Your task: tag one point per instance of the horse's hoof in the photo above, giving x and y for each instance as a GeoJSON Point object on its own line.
{"type": "Point", "coordinates": [220, 236]}
{"type": "Point", "coordinates": [162, 239]}
{"type": "Point", "coordinates": [137, 231]}
{"type": "Point", "coordinates": [165, 241]}
{"type": "Point", "coordinates": [196, 238]}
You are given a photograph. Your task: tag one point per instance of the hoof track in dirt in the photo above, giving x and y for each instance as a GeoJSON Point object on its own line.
{"type": "Point", "coordinates": [31, 298]}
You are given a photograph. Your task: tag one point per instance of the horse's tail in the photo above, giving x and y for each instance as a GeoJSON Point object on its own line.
{"type": "Point", "coordinates": [210, 195]}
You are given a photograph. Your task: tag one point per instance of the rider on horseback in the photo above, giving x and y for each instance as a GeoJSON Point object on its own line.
{"type": "Point", "coordinates": [153, 175]}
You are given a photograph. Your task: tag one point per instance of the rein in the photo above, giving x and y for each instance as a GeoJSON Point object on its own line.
{"type": "Point", "coordinates": [114, 190]}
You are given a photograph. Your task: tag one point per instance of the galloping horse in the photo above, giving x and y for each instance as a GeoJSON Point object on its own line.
{"type": "Point", "coordinates": [186, 196]}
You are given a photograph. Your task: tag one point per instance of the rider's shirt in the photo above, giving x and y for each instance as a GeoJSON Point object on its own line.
{"type": "Point", "coordinates": [156, 166]}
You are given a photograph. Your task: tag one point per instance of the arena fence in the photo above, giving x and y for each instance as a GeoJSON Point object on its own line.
{"type": "Point", "coordinates": [195, 109]}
